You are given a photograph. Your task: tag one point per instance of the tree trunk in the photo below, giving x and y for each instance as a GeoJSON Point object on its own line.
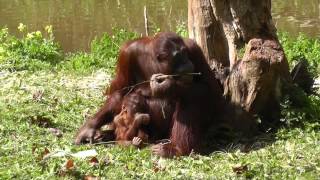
{"type": "Point", "coordinates": [254, 84]}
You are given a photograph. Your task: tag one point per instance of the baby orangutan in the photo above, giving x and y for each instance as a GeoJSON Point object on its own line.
{"type": "Point", "coordinates": [130, 124]}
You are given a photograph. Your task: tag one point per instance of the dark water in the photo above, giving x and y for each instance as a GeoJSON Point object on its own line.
{"type": "Point", "coordinates": [77, 22]}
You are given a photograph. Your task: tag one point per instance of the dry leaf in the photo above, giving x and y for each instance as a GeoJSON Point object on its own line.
{"type": "Point", "coordinates": [44, 153]}
{"type": "Point", "coordinates": [91, 178]}
{"type": "Point", "coordinates": [240, 169]}
{"type": "Point", "coordinates": [156, 169]}
{"type": "Point", "coordinates": [84, 154]}
{"type": "Point", "coordinates": [80, 154]}
{"type": "Point", "coordinates": [94, 161]}
{"type": "Point", "coordinates": [69, 164]}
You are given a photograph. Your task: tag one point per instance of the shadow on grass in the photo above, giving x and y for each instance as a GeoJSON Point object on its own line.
{"type": "Point", "coordinates": [297, 112]}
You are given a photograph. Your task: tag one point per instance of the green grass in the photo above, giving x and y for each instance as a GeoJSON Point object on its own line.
{"type": "Point", "coordinates": [41, 89]}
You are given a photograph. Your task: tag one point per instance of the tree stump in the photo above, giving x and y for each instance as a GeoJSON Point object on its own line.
{"type": "Point", "coordinates": [254, 84]}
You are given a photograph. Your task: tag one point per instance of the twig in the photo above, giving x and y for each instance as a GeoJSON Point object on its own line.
{"type": "Point", "coordinates": [146, 21]}
{"type": "Point", "coordinates": [114, 142]}
{"type": "Point", "coordinates": [164, 76]}
{"type": "Point", "coordinates": [297, 70]}
{"type": "Point", "coordinates": [163, 141]}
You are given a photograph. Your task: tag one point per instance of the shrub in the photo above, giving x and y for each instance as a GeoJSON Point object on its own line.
{"type": "Point", "coordinates": [302, 47]}
{"type": "Point", "coordinates": [31, 52]}
{"type": "Point", "coordinates": [104, 53]}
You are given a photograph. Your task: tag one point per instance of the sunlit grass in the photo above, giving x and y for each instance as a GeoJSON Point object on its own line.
{"type": "Point", "coordinates": [35, 102]}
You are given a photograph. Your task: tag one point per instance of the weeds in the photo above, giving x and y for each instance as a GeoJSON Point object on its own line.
{"type": "Point", "coordinates": [32, 52]}
{"type": "Point", "coordinates": [302, 47]}
{"type": "Point", "coordinates": [103, 53]}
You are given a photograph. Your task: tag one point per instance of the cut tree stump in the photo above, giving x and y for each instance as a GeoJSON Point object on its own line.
{"type": "Point", "coordinates": [254, 84]}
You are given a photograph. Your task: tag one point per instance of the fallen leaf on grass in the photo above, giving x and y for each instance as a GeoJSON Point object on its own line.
{"type": "Point", "coordinates": [55, 154]}
{"type": "Point", "coordinates": [94, 161]}
{"type": "Point", "coordinates": [67, 168]}
{"type": "Point", "coordinates": [80, 154]}
{"type": "Point", "coordinates": [240, 169]}
{"type": "Point", "coordinates": [84, 154]}
{"type": "Point", "coordinates": [91, 178]}
{"type": "Point", "coordinates": [44, 153]}
{"type": "Point", "coordinates": [156, 169]}
{"type": "Point", "coordinates": [69, 164]}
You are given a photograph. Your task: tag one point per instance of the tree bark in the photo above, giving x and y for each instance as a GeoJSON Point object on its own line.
{"type": "Point", "coordinates": [254, 84]}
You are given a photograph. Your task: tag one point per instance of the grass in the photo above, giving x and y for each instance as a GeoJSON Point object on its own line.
{"type": "Point", "coordinates": [46, 95]}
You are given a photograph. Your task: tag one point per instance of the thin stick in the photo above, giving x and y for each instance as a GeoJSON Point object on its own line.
{"type": "Point", "coordinates": [296, 73]}
{"type": "Point", "coordinates": [146, 21]}
{"type": "Point", "coordinates": [114, 142]}
{"type": "Point", "coordinates": [169, 75]}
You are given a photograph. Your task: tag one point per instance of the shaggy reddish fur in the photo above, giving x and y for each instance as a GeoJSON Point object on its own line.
{"type": "Point", "coordinates": [180, 109]}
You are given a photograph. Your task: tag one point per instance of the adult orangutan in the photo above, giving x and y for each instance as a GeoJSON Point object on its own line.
{"type": "Point", "coordinates": [181, 105]}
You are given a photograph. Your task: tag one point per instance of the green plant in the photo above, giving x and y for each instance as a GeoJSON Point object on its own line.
{"type": "Point", "coordinates": [182, 30]}
{"type": "Point", "coordinates": [105, 50]}
{"type": "Point", "coordinates": [302, 47]}
{"type": "Point", "coordinates": [31, 52]}
{"type": "Point", "coordinates": [103, 54]}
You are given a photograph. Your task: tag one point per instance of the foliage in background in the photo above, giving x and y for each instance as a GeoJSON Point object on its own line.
{"type": "Point", "coordinates": [182, 30]}
{"type": "Point", "coordinates": [302, 47]}
{"type": "Point", "coordinates": [103, 54]}
{"type": "Point", "coordinates": [37, 51]}
{"type": "Point", "coordinates": [297, 49]}
{"type": "Point", "coordinates": [32, 52]}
